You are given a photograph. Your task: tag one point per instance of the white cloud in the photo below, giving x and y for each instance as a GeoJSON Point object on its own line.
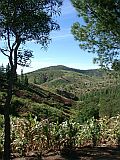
{"type": "Point", "coordinates": [61, 36]}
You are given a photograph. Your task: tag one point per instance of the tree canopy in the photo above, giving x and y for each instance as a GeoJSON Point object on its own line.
{"type": "Point", "coordinates": [100, 31]}
{"type": "Point", "coordinates": [26, 20]}
{"type": "Point", "coordinates": [116, 65]}
{"type": "Point", "coordinates": [21, 21]}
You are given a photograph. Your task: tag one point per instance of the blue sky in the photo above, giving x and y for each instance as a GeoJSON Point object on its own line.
{"type": "Point", "coordinates": [63, 50]}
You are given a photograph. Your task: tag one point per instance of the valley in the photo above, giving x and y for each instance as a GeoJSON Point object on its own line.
{"type": "Point", "coordinates": [68, 107]}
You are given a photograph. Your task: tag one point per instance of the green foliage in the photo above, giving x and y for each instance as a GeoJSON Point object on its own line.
{"type": "Point", "coordinates": [100, 31]}
{"type": "Point", "coordinates": [22, 76]}
{"type": "Point", "coordinates": [22, 107]}
{"type": "Point", "coordinates": [23, 79]}
{"type": "Point", "coordinates": [87, 112]}
{"type": "Point", "coordinates": [41, 76]}
{"type": "Point", "coordinates": [31, 20]}
{"type": "Point", "coordinates": [4, 75]}
{"type": "Point", "coordinates": [2, 69]}
{"type": "Point", "coordinates": [43, 111]}
{"type": "Point", "coordinates": [116, 65]}
{"type": "Point", "coordinates": [93, 94]}
{"type": "Point", "coordinates": [72, 81]}
{"type": "Point", "coordinates": [16, 105]}
{"type": "Point", "coordinates": [21, 21]}
{"type": "Point", "coordinates": [56, 72]}
{"type": "Point", "coordinates": [105, 100]}
{"type": "Point", "coordinates": [26, 80]}
{"type": "Point", "coordinates": [32, 135]}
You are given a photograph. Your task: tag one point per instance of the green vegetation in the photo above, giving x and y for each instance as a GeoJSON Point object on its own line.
{"type": "Point", "coordinates": [71, 110]}
{"type": "Point", "coordinates": [68, 93]}
{"type": "Point", "coordinates": [68, 79]}
{"type": "Point", "coordinates": [28, 134]}
{"type": "Point", "coordinates": [105, 101]}
{"type": "Point", "coordinates": [100, 31]}
{"type": "Point", "coordinates": [58, 107]}
{"type": "Point", "coordinates": [22, 21]}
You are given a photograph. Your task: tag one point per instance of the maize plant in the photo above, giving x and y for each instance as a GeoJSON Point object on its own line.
{"type": "Point", "coordinates": [31, 135]}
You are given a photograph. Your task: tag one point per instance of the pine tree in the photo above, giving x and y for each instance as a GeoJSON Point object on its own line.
{"type": "Point", "coordinates": [22, 76]}
{"type": "Point", "coordinates": [26, 79]}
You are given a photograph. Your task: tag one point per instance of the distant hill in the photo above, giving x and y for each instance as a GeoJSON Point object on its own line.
{"type": "Point", "coordinates": [57, 78]}
{"type": "Point", "coordinates": [85, 88]}
{"type": "Point", "coordinates": [54, 72]}
{"type": "Point", "coordinates": [90, 72]}
{"type": "Point", "coordinates": [59, 92]}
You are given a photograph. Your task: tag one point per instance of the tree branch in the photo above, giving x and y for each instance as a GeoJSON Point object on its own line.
{"type": "Point", "coordinates": [18, 42]}
{"type": "Point", "coordinates": [3, 52]}
{"type": "Point", "coordinates": [8, 35]}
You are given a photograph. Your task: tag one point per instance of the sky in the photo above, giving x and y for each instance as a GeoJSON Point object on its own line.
{"type": "Point", "coordinates": [63, 49]}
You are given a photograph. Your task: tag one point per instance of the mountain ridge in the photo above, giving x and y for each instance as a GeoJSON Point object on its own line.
{"type": "Point", "coordinates": [62, 67]}
{"type": "Point", "coordinates": [55, 78]}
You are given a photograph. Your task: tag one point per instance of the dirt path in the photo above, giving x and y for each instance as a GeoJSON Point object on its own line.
{"type": "Point", "coordinates": [86, 153]}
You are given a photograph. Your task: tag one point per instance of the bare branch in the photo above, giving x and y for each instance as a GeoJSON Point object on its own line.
{"type": "Point", "coordinates": [3, 52]}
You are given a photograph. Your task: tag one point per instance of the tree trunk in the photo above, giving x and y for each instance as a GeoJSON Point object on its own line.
{"type": "Point", "coordinates": [11, 81]}
{"type": "Point", "coordinates": [7, 118]}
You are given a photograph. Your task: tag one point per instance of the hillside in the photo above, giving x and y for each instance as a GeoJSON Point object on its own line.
{"type": "Point", "coordinates": [54, 72]}
{"type": "Point", "coordinates": [59, 92]}
{"type": "Point", "coordinates": [91, 72]}
{"type": "Point", "coordinates": [87, 88]}
{"type": "Point", "coordinates": [54, 110]}
{"type": "Point", "coordinates": [61, 78]}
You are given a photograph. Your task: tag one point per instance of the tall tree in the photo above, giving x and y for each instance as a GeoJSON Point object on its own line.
{"type": "Point", "coordinates": [21, 21]}
{"type": "Point", "coordinates": [2, 69]}
{"type": "Point", "coordinates": [116, 65]}
{"type": "Point", "coordinates": [100, 31]}
{"type": "Point", "coordinates": [22, 76]}
{"type": "Point", "coordinates": [26, 80]}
